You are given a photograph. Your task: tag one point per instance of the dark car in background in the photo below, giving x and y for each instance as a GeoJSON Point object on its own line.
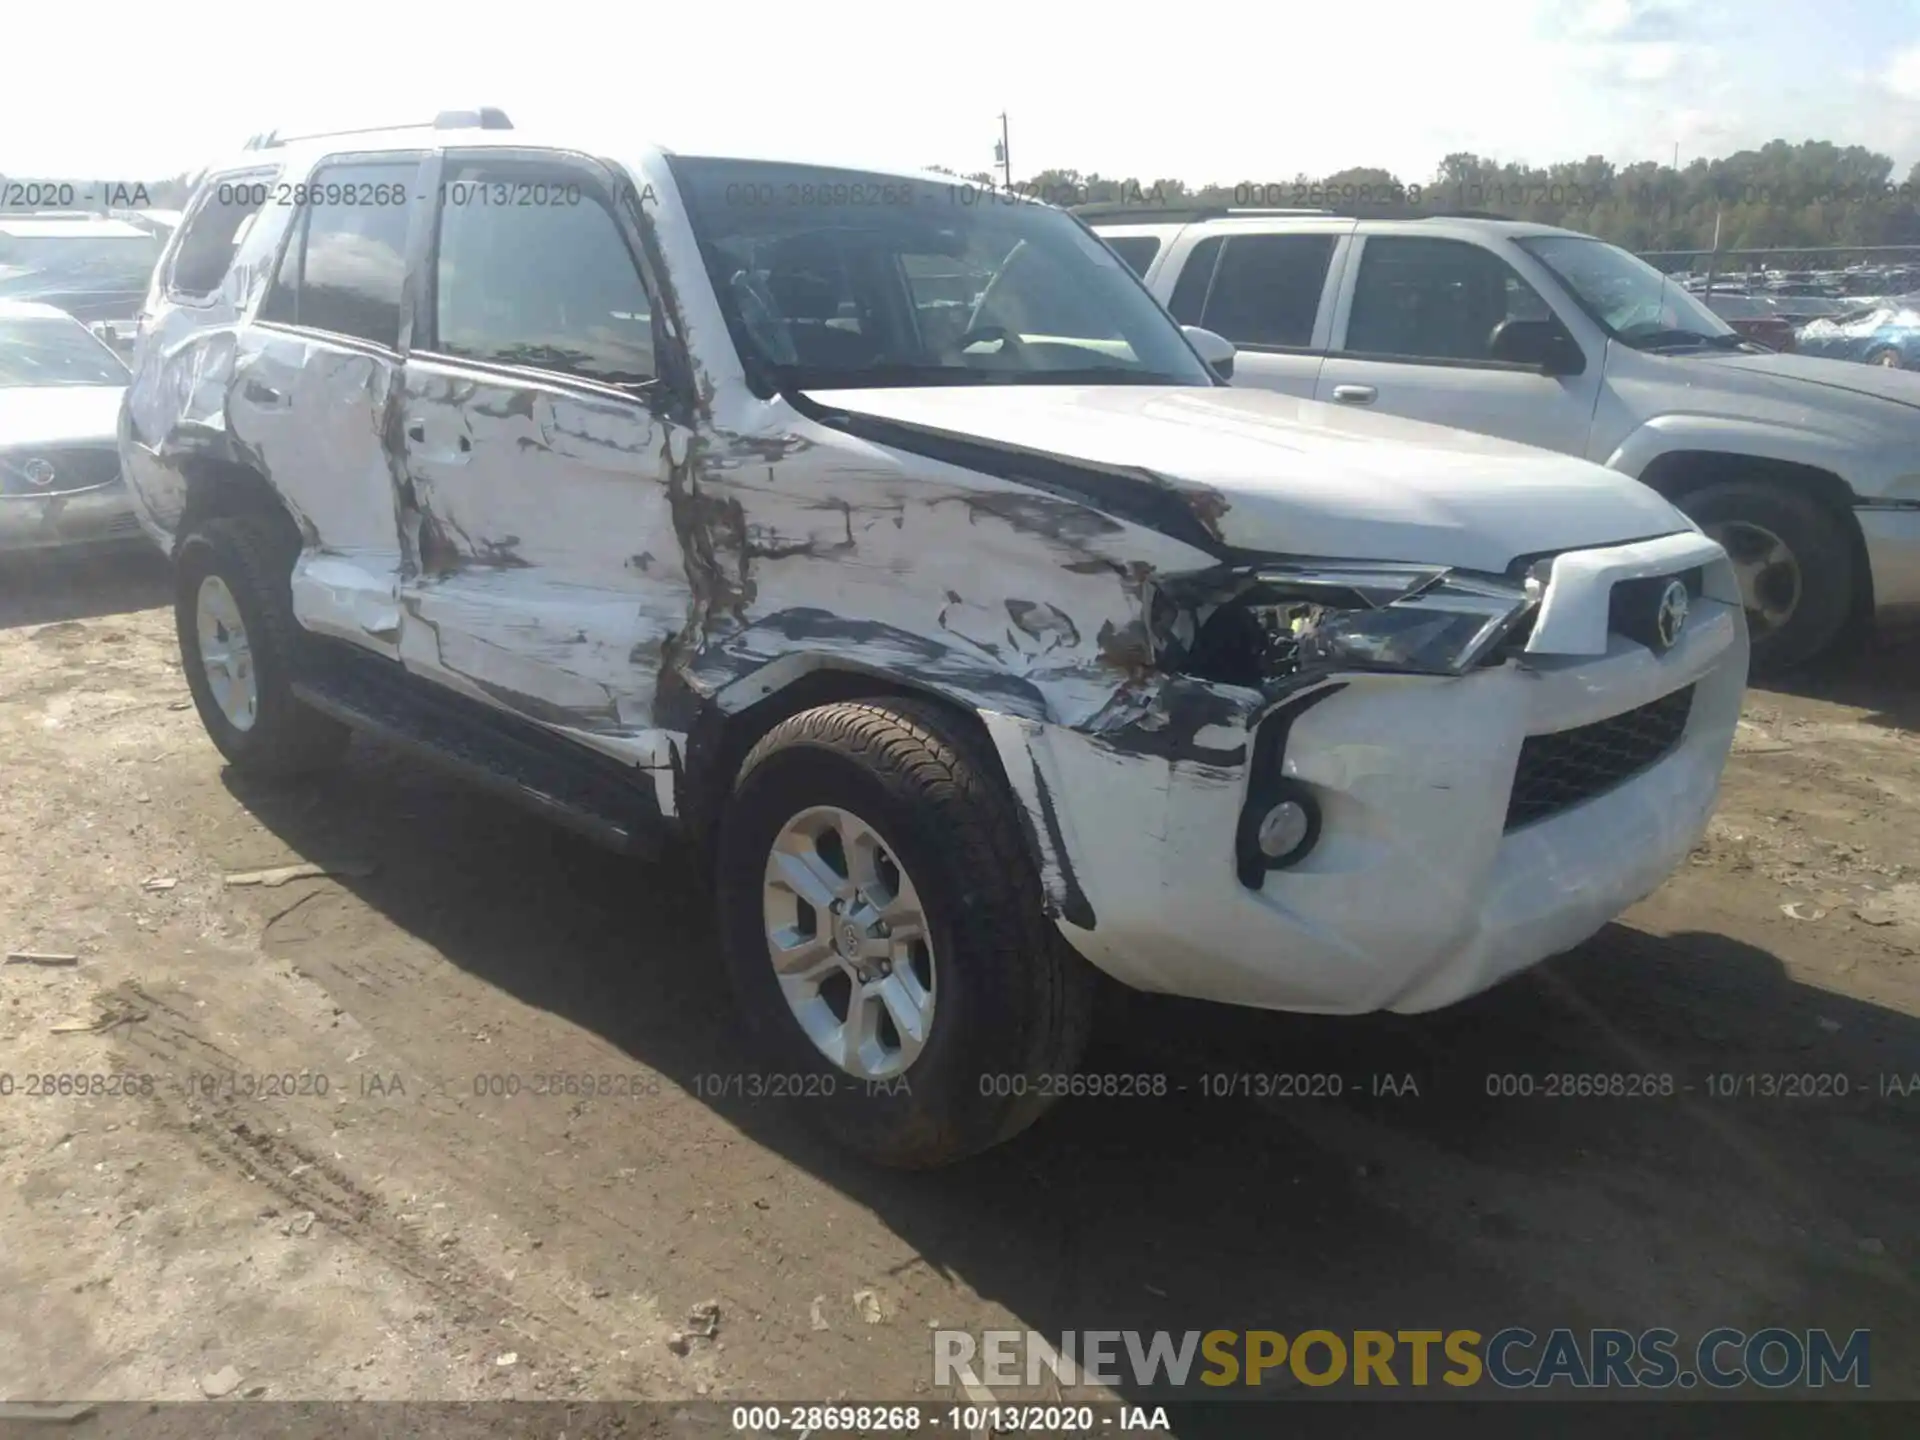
{"type": "Point", "coordinates": [92, 266]}
{"type": "Point", "coordinates": [1801, 308]}
{"type": "Point", "coordinates": [1881, 332]}
{"type": "Point", "coordinates": [1755, 318]}
{"type": "Point", "coordinates": [60, 390]}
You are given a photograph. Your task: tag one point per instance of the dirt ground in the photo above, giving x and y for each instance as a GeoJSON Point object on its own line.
{"type": "Point", "coordinates": [404, 1235]}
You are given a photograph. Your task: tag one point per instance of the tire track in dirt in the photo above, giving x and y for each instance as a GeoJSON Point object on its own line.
{"type": "Point", "coordinates": [276, 1141]}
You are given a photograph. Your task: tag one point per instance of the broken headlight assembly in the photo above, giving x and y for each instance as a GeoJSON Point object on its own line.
{"type": "Point", "coordinates": [1278, 621]}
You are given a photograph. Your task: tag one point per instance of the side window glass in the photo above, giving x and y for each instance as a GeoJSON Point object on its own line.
{"type": "Point", "coordinates": [1435, 299]}
{"type": "Point", "coordinates": [212, 234]}
{"type": "Point", "coordinates": [1032, 297]}
{"type": "Point", "coordinates": [533, 270]}
{"type": "Point", "coordinates": [1268, 289]}
{"type": "Point", "coordinates": [944, 289]}
{"type": "Point", "coordinates": [1524, 302]}
{"type": "Point", "coordinates": [1190, 290]}
{"type": "Point", "coordinates": [345, 263]}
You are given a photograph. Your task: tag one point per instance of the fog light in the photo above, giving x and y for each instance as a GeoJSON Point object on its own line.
{"type": "Point", "coordinates": [1284, 829]}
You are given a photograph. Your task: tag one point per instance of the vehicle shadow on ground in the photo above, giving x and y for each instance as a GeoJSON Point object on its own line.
{"type": "Point", "coordinates": [1441, 1171]}
{"type": "Point", "coordinates": [44, 589]}
{"type": "Point", "coordinates": [1879, 674]}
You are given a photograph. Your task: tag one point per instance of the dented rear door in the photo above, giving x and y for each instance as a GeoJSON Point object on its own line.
{"type": "Point", "coordinates": [316, 380]}
{"type": "Point", "coordinates": [542, 572]}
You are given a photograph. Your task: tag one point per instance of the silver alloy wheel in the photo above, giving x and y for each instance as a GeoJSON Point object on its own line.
{"type": "Point", "coordinates": [1765, 565]}
{"type": "Point", "coordinates": [225, 654]}
{"type": "Point", "coordinates": [849, 943]}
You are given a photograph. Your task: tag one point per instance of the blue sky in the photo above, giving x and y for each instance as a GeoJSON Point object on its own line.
{"type": "Point", "coordinates": [1231, 91]}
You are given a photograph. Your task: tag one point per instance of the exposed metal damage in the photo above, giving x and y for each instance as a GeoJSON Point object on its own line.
{"type": "Point", "coordinates": [596, 566]}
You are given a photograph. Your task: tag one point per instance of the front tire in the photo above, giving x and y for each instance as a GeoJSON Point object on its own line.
{"type": "Point", "coordinates": [1794, 562]}
{"type": "Point", "coordinates": [233, 611]}
{"type": "Point", "coordinates": [873, 883]}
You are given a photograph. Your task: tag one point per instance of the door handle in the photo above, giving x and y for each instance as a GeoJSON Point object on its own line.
{"type": "Point", "coordinates": [1355, 394]}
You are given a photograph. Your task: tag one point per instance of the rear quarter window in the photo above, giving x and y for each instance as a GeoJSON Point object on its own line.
{"type": "Point", "coordinates": [211, 235]}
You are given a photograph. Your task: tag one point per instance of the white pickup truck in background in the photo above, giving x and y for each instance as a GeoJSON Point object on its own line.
{"type": "Point", "coordinates": [1806, 470]}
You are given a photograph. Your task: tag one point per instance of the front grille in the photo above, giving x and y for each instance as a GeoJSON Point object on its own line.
{"type": "Point", "coordinates": [1562, 769]}
{"type": "Point", "coordinates": [72, 467]}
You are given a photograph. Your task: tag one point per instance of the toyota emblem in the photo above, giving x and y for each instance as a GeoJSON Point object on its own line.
{"type": "Point", "coordinates": [1671, 618]}
{"type": "Point", "coordinates": [38, 473]}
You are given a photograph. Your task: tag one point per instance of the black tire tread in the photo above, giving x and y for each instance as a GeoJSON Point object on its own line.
{"type": "Point", "coordinates": [918, 750]}
{"type": "Point", "coordinates": [1821, 547]}
{"type": "Point", "coordinates": [288, 738]}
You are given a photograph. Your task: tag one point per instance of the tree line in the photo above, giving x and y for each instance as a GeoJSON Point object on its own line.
{"type": "Point", "coordinates": [1782, 195]}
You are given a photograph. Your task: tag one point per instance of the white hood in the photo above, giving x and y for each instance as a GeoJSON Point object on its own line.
{"type": "Point", "coordinates": [1842, 402]}
{"type": "Point", "coordinates": [59, 415]}
{"type": "Point", "coordinates": [1794, 371]}
{"type": "Point", "coordinates": [1300, 478]}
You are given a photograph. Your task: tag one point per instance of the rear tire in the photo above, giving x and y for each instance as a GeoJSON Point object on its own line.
{"type": "Point", "coordinates": [1796, 565]}
{"type": "Point", "coordinates": [1887, 358]}
{"type": "Point", "coordinates": [1008, 1004]}
{"type": "Point", "coordinates": [233, 610]}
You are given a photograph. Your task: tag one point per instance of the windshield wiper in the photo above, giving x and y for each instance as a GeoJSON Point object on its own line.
{"type": "Point", "coordinates": [1656, 338]}
{"type": "Point", "coordinates": [1101, 375]}
{"type": "Point", "coordinates": [880, 376]}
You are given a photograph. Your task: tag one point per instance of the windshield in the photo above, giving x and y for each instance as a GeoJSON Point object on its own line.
{"type": "Point", "coordinates": [55, 352]}
{"type": "Point", "coordinates": [93, 260]}
{"type": "Point", "coordinates": [1634, 301]}
{"type": "Point", "coordinates": [837, 278]}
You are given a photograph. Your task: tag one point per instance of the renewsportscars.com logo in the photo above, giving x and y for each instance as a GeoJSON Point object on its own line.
{"type": "Point", "coordinates": [1512, 1359]}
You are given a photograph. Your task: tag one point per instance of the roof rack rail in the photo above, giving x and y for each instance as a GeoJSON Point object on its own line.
{"type": "Point", "coordinates": [1113, 212]}
{"type": "Point", "coordinates": [487, 117]}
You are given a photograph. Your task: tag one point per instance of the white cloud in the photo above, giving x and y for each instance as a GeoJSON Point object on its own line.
{"type": "Point", "coordinates": [1621, 20]}
{"type": "Point", "coordinates": [1650, 64]}
{"type": "Point", "coordinates": [1600, 19]}
{"type": "Point", "coordinates": [1902, 74]}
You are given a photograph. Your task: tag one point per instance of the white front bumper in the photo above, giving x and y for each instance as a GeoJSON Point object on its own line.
{"type": "Point", "coordinates": [1416, 895]}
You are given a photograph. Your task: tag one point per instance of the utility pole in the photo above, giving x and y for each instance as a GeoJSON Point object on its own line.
{"type": "Point", "coordinates": [1004, 154]}
{"type": "Point", "coordinates": [1673, 191]}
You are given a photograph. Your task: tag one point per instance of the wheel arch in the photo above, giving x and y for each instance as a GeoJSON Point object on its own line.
{"type": "Point", "coordinates": [1676, 474]}
{"type": "Point", "coordinates": [720, 738]}
{"type": "Point", "coordinates": [217, 485]}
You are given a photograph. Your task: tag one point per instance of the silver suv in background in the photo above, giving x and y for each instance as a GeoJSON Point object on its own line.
{"type": "Point", "coordinates": [1807, 470]}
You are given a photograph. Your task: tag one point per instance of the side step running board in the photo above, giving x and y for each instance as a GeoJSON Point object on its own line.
{"type": "Point", "coordinates": [589, 794]}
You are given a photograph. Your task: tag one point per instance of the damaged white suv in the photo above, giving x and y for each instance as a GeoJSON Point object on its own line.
{"type": "Point", "coordinates": [884, 538]}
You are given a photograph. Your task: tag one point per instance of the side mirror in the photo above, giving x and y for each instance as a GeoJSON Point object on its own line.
{"type": "Point", "coordinates": [1543, 344]}
{"type": "Point", "coordinates": [1215, 349]}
